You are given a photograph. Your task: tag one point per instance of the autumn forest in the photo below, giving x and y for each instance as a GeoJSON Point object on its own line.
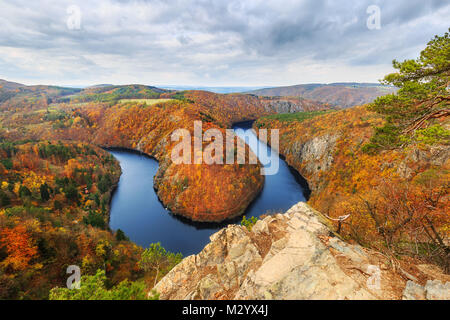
{"type": "Point", "coordinates": [383, 165]}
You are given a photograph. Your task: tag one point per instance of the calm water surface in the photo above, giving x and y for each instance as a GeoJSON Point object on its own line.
{"type": "Point", "coordinates": [136, 210]}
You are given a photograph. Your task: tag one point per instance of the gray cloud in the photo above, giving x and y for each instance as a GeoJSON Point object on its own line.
{"type": "Point", "coordinates": [212, 42]}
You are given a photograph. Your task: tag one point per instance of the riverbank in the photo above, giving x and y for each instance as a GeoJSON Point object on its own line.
{"type": "Point", "coordinates": [137, 210]}
{"type": "Point", "coordinates": [368, 188]}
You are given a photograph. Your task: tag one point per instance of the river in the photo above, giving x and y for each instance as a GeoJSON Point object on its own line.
{"type": "Point", "coordinates": [136, 209]}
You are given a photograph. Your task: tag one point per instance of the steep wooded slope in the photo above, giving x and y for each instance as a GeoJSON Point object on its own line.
{"type": "Point", "coordinates": [106, 116]}
{"type": "Point", "coordinates": [54, 212]}
{"type": "Point", "coordinates": [387, 195]}
{"type": "Point", "coordinates": [383, 170]}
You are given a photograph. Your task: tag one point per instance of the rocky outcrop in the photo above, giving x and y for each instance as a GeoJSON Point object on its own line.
{"type": "Point", "coordinates": [290, 104]}
{"type": "Point", "coordinates": [315, 154]}
{"type": "Point", "coordinates": [294, 255]}
{"type": "Point", "coordinates": [283, 106]}
{"type": "Point", "coordinates": [432, 290]}
{"type": "Point", "coordinates": [310, 156]}
{"type": "Point", "coordinates": [432, 156]}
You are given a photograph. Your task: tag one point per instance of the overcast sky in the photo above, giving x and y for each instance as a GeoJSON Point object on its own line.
{"type": "Point", "coordinates": [211, 43]}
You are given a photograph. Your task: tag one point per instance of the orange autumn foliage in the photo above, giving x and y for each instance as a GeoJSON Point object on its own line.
{"type": "Point", "coordinates": [136, 125]}
{"type": "Point", "coordinates": [397, 199]}
{"type": "Point", "coordinates": [19, 246]}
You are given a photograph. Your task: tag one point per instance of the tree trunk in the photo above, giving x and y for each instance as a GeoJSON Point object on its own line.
{"type": "Point", "coordinates": [156, 277]}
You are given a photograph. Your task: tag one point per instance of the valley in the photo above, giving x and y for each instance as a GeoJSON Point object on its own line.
{"type": "Point", "coordinates": [136, 209]}
{"type": "Point", "coordinates": [88, 179]}
{"type": "Point", "coordinates": [114, 119]}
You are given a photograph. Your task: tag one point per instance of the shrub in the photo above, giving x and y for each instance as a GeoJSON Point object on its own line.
{"type": "Point", "coordinates": [71, 192]}
{"type": "Point", "coordinates": [120, 235]}
{"type": "Point", "coordinates": [94, 288]}
{"type": "Point", "coordinates": [433, 134]}
{"type": "Point", "coordinates": [44, 190]}
{"type": "Point", "coordinates": [94, 219]}
{"type": "Point", "coordinates": [7, 163]}
{"type": "Point", "coordinates": [4, 199]}
{"type": "Point", "coordinates": [24, 192]}
{"type": "Point", "coordinates": [156, 258]}
{"type": "Point", "coordinates": [249, 223]}
{"type": "Point", "coordinates": [370, 148]}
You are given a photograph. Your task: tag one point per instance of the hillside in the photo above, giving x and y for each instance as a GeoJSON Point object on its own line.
{"type": "Point", "coordinates": [382, 171]}
{"type": "Point", "coordinates": [342, 95]}
{"type": "Point", "coordinates": [56, 182]}
{"type": "Point", "coordinates": [143, 118]}
{"type": "Point", "coordinates": [394, 206]}
{"type": "Point", "coordinates": [345, 180]}
{"type": "Point", "coordinates": [54, 200]}
{"type": "Point", "coordinates": [380, 177]}
{"type": "Point", "coordinates": [112, 93]}
{"type": "Point", "coordinates": [107, 122]}
{"type": "Point", "coordinates": [9, 86]}
{"type": "Point", "coordinates": [15, 95]}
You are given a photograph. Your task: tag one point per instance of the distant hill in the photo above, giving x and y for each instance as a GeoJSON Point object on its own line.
{"type": "Point", "coordinates": [100, 85]}
{"type": "Point", "coordinates": [112, 93]}
{"type": "Point", "coordinates": [212, 89]}
{"type": "Point", "coordinates": [344, 95]}
{"type": "Point", "coordinates": [14, 94]}
{"type": "Point", "coordinates": [8, 85]}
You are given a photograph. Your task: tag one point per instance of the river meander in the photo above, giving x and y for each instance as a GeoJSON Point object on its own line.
{"type": "Point", "coordinates": [136, 210]}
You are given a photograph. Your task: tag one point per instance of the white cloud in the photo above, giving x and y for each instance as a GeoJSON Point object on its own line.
{"type": "Point", "coordinates": [226, 42]}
